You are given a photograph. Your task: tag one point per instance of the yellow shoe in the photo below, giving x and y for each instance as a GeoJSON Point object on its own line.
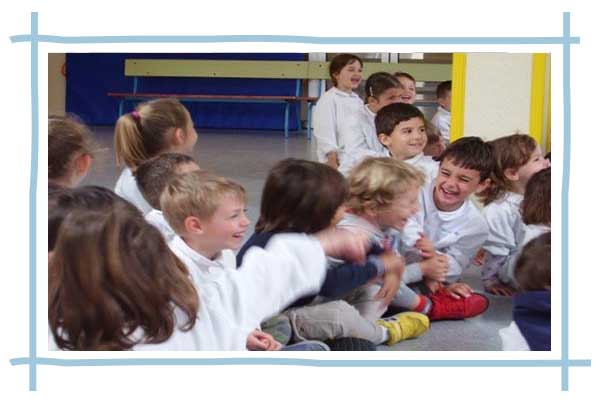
{"type": "Point", "coordinates": [404, 326]}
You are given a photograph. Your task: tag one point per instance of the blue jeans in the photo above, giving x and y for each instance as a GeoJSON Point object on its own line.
{"type": "Point", "coordinates": [306, 346]}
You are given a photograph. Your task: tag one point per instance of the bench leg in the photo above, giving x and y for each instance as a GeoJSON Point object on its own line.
{"type": "Point", "coordinates": [309, 120]}
{"type": "Point", "coordinates": [121, 108]}
{"type": "Point", "coordinates": [287, 119]}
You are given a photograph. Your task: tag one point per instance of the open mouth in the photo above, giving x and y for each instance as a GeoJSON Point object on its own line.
{"type": "Point", "coordinates": [448, 194]}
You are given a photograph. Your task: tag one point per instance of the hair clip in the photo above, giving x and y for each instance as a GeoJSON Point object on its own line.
{"type": "Point", "coordinates": [135, 115]}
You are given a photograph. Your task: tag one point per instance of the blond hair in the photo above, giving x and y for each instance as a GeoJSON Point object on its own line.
{"type": "Point", "coordinates": [145, 132]}
{"type": "Point", "coordinates": [196, 194]}
{"type": "Point", "coordinates": [376, 182]}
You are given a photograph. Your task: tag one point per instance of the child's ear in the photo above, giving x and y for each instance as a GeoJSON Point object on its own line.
{"type": "Point", "coordinates": [83, 164]}
{"type": "Point", "coordinates": [179, 136]}
{"type": "Point", "coordinates": [384, 139]}
{"type": "Point", "coordinates": [483, 185]}
{"type": "Point", "coordinates": [512, 174]}
{"type": "Point", "coordinates": [193, 225]}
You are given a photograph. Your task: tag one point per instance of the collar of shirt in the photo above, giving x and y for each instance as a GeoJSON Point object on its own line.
{"type": "Point", "coordinates": [351, 220]}
{"type": "Point", "coordinates": [514, 199]}
{"type": "Point", "coordinates": [198, 259]}
{"type": "Point", "coordinates": [415, 159]}
{"type": "Point", "coordinates": [339, 92]}
{"type": "Point", "coordinates": [369, 112]}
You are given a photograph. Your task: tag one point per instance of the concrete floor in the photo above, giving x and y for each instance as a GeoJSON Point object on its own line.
{"type": "Point", "coordinates": [247, 156]}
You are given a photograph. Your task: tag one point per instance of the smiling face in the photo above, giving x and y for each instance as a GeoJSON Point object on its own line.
{"type": "Point", "coordinates": [400, 210]}
{"type": "Point", "coordinates": [409, 90]}
{"type": "Point", "coordinates": [407, 139]}
{"type": "Point", "coordinates": [225, 229]}
{"type": "Point", "coordinates": [454, 184]}
{"type": "Point", "coordinates": [349, 77]}
{"type": "Point", "coordinates": [536, 163]}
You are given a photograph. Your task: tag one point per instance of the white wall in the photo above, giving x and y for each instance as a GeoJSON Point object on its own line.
{"type": "Point", "coordinates": [497, 94]}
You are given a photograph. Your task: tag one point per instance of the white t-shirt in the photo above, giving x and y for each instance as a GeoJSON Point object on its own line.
{"type": "Point", "coordinates": [426, 165]}
{"type": "Point", "coordinates": [233, 303]}
{"type": "Point", "coordinates": [127, 189]}
{"type": "Point", "coordinates": [336, 123]}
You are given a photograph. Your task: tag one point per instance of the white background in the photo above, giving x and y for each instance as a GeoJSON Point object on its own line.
{"type": "Point", "coordinates": [285, 384]}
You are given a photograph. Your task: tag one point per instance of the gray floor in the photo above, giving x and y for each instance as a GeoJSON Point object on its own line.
{"type": "Point", "coordinates": [247, 156]}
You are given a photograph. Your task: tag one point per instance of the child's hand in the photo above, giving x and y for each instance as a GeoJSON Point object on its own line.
{"type": "Point", "coordinates": [332, 160]}
{"type": "Point", "coordinates": [393, 263]}
{"type": "Point", "coordinates": [432, 285]}
{"type": "Point", "coordinates": [261, 341]}
{"type": "Point", "coordinates": [479, 259]}
{"type": "Point", "coordinates": [500, 289]}
{"type": "Point", "coordinates": [458, 290]}
{"type": "Point", "coordinates": [425, 246]}
{"type": "Point", "coordinates": [435, 268]}
{"type": "Point", "coordinates": [391, 283]}
{"type": "Point", "coordinates": [344, 244]}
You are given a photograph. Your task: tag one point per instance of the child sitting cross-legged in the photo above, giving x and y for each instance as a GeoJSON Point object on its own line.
{"type": "Point", "coordinates": [307, 197]}
{"type": "Point", "coordinates": [444, 236]}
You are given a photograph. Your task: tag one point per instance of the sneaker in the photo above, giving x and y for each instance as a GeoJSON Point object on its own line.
{"type": "Point", "coordinates": [404, 326]}
{"type": "Point", "coordinates": [445, 307]}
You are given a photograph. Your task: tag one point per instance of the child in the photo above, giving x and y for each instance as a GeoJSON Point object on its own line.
{"type": "Point", "coordinates": [517, 158]}
{"type": "Point", "coordinates": [535, 208]}
{"type": "Point", "coordinates": [114, 285]}
{"type": "Point", "coordinates": [306, 197]}
{"type": "Point", "coordinates": [441, 119]}
{"type": "Point", "coordinates": [152, 177]}
{"type": "Point", "coordinates": [155, 127]}
{"type": "Point", "coordinates": [449, 230]}
{"type": "Point", "coordinates": [530, 330]}
{"type": "Point", "coordinates": [435, 145]}
{"type": "Point", "coordinates": [337, 111]}
{"type": "Point", "coordinates": [381, 89]}
{"type": "Point", "coordinates": [401, 129]}
{"type": "Point", "coordinates": [409, 87]}
{"type": "Point", "coordinates": [69, 151]}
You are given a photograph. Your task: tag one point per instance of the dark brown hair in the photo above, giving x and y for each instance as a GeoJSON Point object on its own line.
{"type": "Point", "coordinates": [535, 208]}
{"type": "Point", "coordinates": [144, 132]}
{"type": "Point", "coordinates": [399, 75]}
{"type": "Point", "coordinates": [472, 153]}
{"type": "Point", "coordinates": [532, 269]}
{"type": "Point", "coordinates": [112, 276]}
{"type": "Point", "coordinates": [391, 115]}
{"type": "Point", "coordinates": [153, 175]}
{"type": "Point", "coordinates": [443, 88]}
{"type": "Point", "coordinates": [378, 83]}
{"type": "Point", "coordinates": [300, 196]}
{"type": "Point", "coordinates": [67, 137]}
{"type": "Point", "coordinates": [512, 151]}
{"type": "Point", "coordinates": [339, 62]}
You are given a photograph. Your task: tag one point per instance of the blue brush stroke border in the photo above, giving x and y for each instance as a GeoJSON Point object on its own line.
{"type": "Point", "coordinates": [564, 362]}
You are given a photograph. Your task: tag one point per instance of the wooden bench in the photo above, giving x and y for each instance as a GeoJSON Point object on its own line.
{"type": "Point", "coordinates": [295, 70]}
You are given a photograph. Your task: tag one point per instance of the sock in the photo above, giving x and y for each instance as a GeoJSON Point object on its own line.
{"type": "Point", "coordinates": [424, 305]}
{"type": "Point", "coordinates": [385, 335]}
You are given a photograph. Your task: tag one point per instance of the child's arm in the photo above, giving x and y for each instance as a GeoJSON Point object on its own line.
{"type": "Point", "coordinates": [464, 249]}
{"type": "Point", "coordinates": [290, 266]}
{"type": "Point", "coordinates": [505, 226]}
{"type": "Point", "coordinates": [325, 130]}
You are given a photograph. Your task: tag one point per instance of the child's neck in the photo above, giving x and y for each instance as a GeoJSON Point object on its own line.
{"type": "Point", "coordinates": [346, 90]}
{"type": "Point", "coordinates": [517, 188]}
{"type": "Point", "coordinates": [401, 157]}
{"type": "Point", "coordinates": [202, 247]}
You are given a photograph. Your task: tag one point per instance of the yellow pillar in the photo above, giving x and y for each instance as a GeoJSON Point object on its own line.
{"type": "Point", "coordinates": [457, 117]}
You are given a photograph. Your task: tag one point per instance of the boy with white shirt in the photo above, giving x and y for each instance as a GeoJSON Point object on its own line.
{"type": "Point", "coordinates": [152, 177]}
{"type": "Point", "coordinates": [449, 229]}
{"type": "Point", "coordinates": [401, 129]}
{"type": "Point", "coordinates": [441, 119]}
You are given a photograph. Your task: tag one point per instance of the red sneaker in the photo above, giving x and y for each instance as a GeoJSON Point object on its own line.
{"type": "Point", "coordinates": [445, 307]}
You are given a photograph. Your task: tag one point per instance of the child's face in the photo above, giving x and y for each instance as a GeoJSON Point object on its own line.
{"type": "Point", "coordinates": [407, 139]}
{"type": "Point", "coordinates": [402, 208]}
{"type": "Point", "coordinates": [227, 226]}
{"type": "Point", "coordinates": [349, 77]}
{"type": "Point", "coordinates": [536, 163]}
{"type": "Point", "coordinates": [409, 91]}
{"type": "Point", "coordinates": [454, 184]}
{"type": "Point", "coordinates": [389, 96]}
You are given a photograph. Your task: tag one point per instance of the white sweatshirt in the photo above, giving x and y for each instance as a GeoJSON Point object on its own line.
{"type": "Point", "coordinates": [458, 234]}
{"type": "Point", "coordinates": [156, 218]}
